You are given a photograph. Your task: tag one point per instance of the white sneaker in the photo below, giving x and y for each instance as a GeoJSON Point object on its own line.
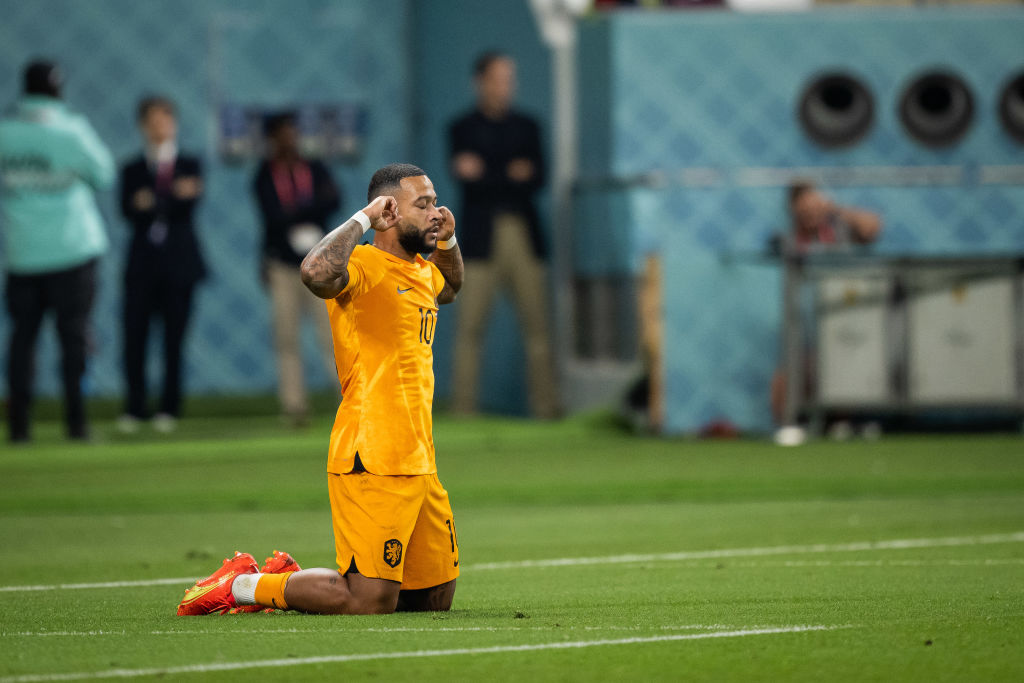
{"type": "Point", "coordinates": [127, 424]}
{"type": "Point", "coordinates": [164, 423]}
{"type": "Point", "coordinates": [790, 435]}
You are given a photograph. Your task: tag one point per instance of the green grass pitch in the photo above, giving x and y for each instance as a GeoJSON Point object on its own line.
{"type": "Point", "coordinates": [587, 554]}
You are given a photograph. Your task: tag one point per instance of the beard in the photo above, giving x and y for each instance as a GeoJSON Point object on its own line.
{"type": "Point", "coordinates": [414, 241]}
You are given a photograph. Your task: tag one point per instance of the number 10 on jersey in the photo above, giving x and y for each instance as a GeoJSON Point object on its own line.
{"type": "Point", "coordinates": [427, 322]}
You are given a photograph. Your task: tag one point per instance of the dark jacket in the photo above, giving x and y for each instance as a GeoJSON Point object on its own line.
{"type": "Point", "coordinates": [497, 142]}
{"type": "Point", "coordinates": [171, 251]}
{"type": "Point", "coordinates": [316, 205]}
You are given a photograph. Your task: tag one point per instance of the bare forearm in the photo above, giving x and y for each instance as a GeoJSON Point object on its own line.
{"type": "Point", "coordinates": [449, 262]}
{"type": "Point", "coordinates": [866, 224]}
{"type": "Point", "coordinates": [325, 268]}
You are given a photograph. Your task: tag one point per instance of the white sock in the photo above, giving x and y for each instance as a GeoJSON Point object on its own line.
{"type": "Point", "coordinates": [243, 588]}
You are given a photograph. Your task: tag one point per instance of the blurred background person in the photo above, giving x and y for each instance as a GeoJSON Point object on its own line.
{"type": "Point", "coordinates": [160, 190]}
{"type": "Point", "coordinates": [51, 163]}
{"type": "Point", "coordinates": [297, 198]}
{"type": "Point", "coordinates": [820, 223]}
{"type": "Point", "coordinates": [496, 157]}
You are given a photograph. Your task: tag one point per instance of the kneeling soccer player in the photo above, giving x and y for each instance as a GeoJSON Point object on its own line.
{"type": "Point", "coordinates": [393, 526]}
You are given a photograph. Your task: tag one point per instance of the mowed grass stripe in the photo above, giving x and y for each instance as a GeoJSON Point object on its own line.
{"type": "Point", "coordinates": [898, 544]}
{"type": "Point", "coordinates": [347, 629]}
{"type": "Point", "coordinates": [525, 491]}
{"type": "Point", "coordinates": [341, 659]}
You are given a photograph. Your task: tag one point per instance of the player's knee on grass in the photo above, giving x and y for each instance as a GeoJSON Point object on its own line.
{"type": "Point", "coordinates": [351, 600]}
{"type": "Point", "coordinates": [379, 600]}
{"type": "Point", "coordinates": [435, 599]}
{"type": "Point", "coordinates": [367, 595]}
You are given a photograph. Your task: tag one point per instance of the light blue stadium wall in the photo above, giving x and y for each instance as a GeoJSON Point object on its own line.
{"type": "Point", "coordinates": [718, 90]}
{"type": "Point", "coordinates": [667, 84]}
{"type": "Point", "coordinates": [452, 33]}
{"type": "Point", "coordinates": [263, 52]}
{"type": "Point", "coordinates": [408, 62]}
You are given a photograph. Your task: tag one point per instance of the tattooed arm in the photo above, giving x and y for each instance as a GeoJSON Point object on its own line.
{"type": "Point", "coordinates": [448, 261]}
{"type": "Point", "coordinates": [325, 268]}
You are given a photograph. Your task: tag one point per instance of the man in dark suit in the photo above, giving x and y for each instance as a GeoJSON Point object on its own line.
{"type": "Point", "coordinates": [159, 193]}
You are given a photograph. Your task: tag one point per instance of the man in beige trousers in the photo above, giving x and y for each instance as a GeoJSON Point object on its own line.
{"type": "Point", "coordinates": [297, 198]}
{"type": "Point", "coordinates": [496, 157]}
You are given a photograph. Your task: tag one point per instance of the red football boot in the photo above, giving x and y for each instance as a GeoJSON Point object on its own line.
{"type": "Point", "coordinates": [278, 563]}
{"type": "Point", "coordinates": [212, 595]}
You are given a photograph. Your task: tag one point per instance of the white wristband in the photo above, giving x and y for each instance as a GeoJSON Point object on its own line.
{"type": "Point", "coordinates": [362, 219]}
{"type": "Point", "coordinates": [447, 244]}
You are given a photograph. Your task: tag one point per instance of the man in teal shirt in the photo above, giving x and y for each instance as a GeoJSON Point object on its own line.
{"type": "Point", "coordinates": [51, 163]}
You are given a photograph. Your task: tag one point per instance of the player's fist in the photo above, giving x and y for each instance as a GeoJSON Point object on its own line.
{"type": "Point", "coordinates": [383, 213]}
{"type": "Point", "coordinates": [447, 227]}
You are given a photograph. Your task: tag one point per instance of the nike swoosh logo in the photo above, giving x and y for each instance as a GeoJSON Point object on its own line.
{"type": "Point", "coordinates": [403, 291]}
{"type": "Point", "coordinates": [197, 592]}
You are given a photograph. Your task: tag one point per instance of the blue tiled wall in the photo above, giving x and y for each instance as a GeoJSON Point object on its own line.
{"type": "Point", "coordinates": [409, 63]}
{"type": "Point", "coordinates": [674, 91]}
{"type": "Point", "coordinates": [717, 91]}
{"type": "Point", "coordinates": [202, 52]}
{"type": "Point", "coordinates": [449, 35]}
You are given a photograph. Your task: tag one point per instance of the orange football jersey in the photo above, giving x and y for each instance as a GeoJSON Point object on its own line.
{"type": "Point", "coordinates": [383, 326]}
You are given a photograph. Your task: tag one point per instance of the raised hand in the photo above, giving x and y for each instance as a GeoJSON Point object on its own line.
{"type": "Point", "coordinates": [447, 227]}
{"type": "Point", "coordinates": [383, 213]}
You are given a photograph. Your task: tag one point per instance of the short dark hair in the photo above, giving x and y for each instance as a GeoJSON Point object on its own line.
{"type": "Point", "coordinates": [151, 102]}
{"type": "Point", "coordinates": [390, 176]}
{"type": "Point", "coordinates": [273, 123]}
{"type": "Point", "coordinates": [798, 188]}
{"type": "Point", "coordinates": [42, 77]}
{"type": "Point", "coordinates": [484, 60]}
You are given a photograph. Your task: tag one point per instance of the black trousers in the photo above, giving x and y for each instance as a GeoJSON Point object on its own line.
{"type": "Point", "coordinates": [70, 294]}
{"type": "Point", "coordinates": [147, 298]}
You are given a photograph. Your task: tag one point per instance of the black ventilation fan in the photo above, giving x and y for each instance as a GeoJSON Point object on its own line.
{"type": "Point", "coordinates": [836, 109]}
{"type": "Point", "coordinates": [1011, 107]}
{"type": "Point", "coordinates": [936, 108]}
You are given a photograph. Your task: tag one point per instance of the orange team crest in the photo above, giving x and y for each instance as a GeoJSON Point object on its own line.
{"type": "Point", "coordinates": [393, 552]}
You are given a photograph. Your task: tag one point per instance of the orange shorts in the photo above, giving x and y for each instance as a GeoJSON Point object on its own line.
{"type": "Point", "coordinates": [398, 528]}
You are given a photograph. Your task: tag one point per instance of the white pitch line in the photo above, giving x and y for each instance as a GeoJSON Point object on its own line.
{"type": "Point", "coordinates": [972, 562]}
{"type": "Point", "coordinates": [796, 564]}
{"type": "Point", "coordinates": [65, 634]}
{"type": "Point", "coordinates": [103, 584]}
{"type": "Point", "coordinates": [899, 544]}
{"type": "Point", "coordinates": [340, 659]}
{"type": "Point", "coordinates": [382, 629]}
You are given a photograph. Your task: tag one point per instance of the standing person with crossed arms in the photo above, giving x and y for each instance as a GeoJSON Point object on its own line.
{"type": "Point", "coordinates": [394, 532]}
{"type": "Point", "coordinates": [160, 193]}
{"type": "Point", "coordinates": [496, 157]}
